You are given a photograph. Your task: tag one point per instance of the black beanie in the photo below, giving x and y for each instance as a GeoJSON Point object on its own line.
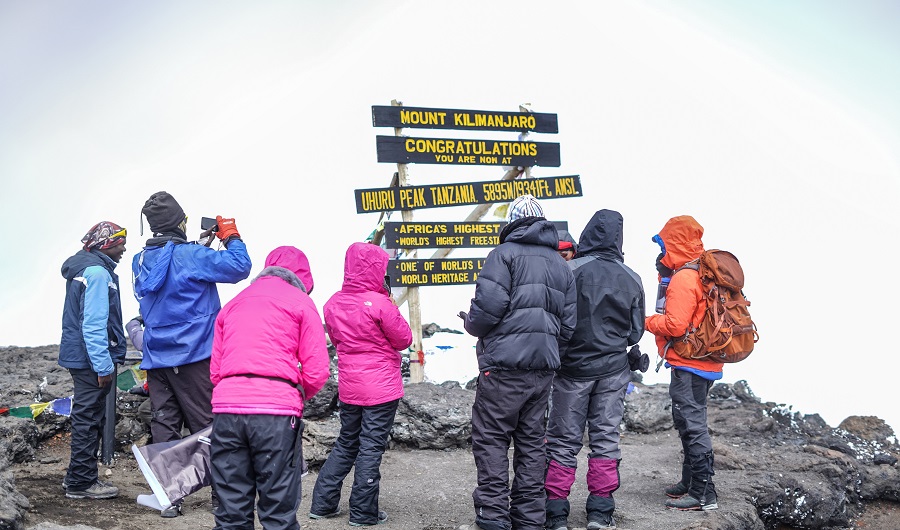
{"type": "Point", "coordinates": [163, 212]}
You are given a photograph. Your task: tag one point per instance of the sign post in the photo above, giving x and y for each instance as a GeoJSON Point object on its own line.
{"type": "Point", "coordinates": [416, 356]}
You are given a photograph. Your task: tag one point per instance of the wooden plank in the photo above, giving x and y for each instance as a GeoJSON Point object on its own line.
{"type": "Point", "coordinates": [410, 150]}
{"type": "Point", "coordinates": [419, 272]}
{"type": "Point", "coordinates": [441, 235]}
{"type": "Point", "coordinates": [465, 193]}
{"type": "Point", "coordinates": [458, 119]}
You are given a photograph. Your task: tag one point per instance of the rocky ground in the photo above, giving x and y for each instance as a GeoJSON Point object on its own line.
{"type": "Point", "coordinates": [775, 468]}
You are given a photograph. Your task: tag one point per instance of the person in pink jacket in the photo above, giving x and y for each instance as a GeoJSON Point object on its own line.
{"type": "Point", "coordinates": [368, 331]}
{"type": "Point", "coordinates": [269, 355]}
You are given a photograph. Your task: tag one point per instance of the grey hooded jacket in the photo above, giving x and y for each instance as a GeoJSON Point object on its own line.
{"type": "Point", "coordinates": [610, 303]}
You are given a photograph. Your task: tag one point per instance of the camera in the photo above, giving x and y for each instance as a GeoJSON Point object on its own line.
{"type": "Point", "coordinates": [208, 222]}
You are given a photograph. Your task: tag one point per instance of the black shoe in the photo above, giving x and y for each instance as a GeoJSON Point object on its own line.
{"type": "Point", "coordinates": [382, 518]}
{"type": "Point", "coordinates": [691, 503]}
{"type": "Point", "coordinates": [677, 490]}
{"type": "Point", "coordinates": [557, 523]}
{"type": "Point", "coordinates": [598, 521]}
{"type": "Point", "coordinates": [97, 490]}
{"type": "Point", "coordinates": [171, 512]}
{"type": "Point", "coordinates": [325, 516]}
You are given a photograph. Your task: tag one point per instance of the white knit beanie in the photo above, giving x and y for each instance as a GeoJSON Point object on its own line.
{"type": "Point", "coordinates": [524, 206]}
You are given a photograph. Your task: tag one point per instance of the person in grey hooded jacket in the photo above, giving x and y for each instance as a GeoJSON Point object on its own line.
{"type": "Point", "coordinates": [523, 314]}
{"type": "Point", "coordinates": [589, 388]}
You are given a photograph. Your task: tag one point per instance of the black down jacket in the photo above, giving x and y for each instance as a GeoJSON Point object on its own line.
{"type": "Point", "coordinates": [524, 307]}
{"type": "Point", "coordinates": [610, 303]}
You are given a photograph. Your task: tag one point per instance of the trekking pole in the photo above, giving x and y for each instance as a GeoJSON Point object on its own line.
{"type": "Point", "coordinates": [109, 425]}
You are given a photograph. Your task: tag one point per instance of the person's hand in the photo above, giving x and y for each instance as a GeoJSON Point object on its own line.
{"type": "Point", "coordinates": [463, 315]}
{"type": "Point", "coordinates": [206, 237]}
{"type": "Point", "coordinates": [104, 380]}
{"type": "Point", "coordinates": [664, 272]}
{"type": "Point", "coordinates": [227, 228]}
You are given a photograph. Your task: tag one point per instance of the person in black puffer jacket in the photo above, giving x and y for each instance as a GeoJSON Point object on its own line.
{"type": "Point", "coordinates": [591, 383]}
{"type": "Point", "coordinates": [523, 314]}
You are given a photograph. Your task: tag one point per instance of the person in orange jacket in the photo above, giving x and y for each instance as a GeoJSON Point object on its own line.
{"type": "Point", "coordinates": [681, 243]}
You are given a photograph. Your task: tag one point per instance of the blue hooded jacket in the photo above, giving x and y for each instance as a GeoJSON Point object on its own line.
{"type": "Point", "coordinates": [92, 333]}
{"type": "Point", "coordinates": [175, 285]}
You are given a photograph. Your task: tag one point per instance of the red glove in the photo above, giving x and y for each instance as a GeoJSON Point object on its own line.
{"type": "Point", "coordinates": [227, 228]}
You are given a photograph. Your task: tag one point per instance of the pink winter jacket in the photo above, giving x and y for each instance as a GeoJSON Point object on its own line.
{"type": "Point", "coordinates": [367, 329]}
{"type": "Point", "coordinates": [270, 329]}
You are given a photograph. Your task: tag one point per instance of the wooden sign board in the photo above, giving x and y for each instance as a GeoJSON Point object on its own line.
{"type": "Point", "coordinates": [420, 272]}
{"type": "Point", "coordinates": [447, 235]}
{"type": "Point", "coordinates": [473, 120]}
{"type": "Point", "coordinates": [469, 193]}
{"type": "Point", "coordinates": [408, 150]}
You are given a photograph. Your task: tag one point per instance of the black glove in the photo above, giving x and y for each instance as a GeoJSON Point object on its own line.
{"type": "Point", "coordinates": [463, 315]}
{"type": "Point", "coordinates": [664, 272]}
{"type": "Point", "coordinates": [637, 361]}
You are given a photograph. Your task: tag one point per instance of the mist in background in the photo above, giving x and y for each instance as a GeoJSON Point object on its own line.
{"type": "Point", "coordinates": [774, 124]}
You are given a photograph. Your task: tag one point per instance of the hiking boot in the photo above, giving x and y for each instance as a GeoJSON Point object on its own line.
{"type": "Point", "coordinates": [171, 512]}
{"type": "Point", "coordinates": [691, 503]}
{"type": "Point", "coordinates": [597, 521]}
{"type": "Point", "coordinates": [557, 523]}
{"type": "Point", "coordinates": [382, 518]}
{"type": "Point", "coordinates": [325, 516]}
{"type": "Point", "coordinates": [677, 490]}
{"type": "Point", "coordinates": [97, 490]}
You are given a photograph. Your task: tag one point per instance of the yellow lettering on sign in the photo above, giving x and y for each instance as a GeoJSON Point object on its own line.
{"type": "Point", "coordinates": [408, 266]}
{"type": "Point", "coordinates": [412, 198]}
{"type": "Point", "coordinates": [484, 241]}
{"type": "Point", "coordinates": [565, 186]}
{"type": "Point", "coordinates": [413, 228]}
{"type": "Point", "coordinates": [413, 279]}
{"type": "Point", "coordinates": [457, 265]}
{"type": "Point", "coordinates": [377, 200]}
{"type": "Point", "coordinates": [419, 117]}
{"type": "Point", "coordinates": [413, 242]}
{"type": "Point", "coordinates": [448, 241]}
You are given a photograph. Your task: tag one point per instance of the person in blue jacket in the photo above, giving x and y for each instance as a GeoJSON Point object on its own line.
{"type": "Point", "coordinates": [175, 285]}
{"type": "Point", "coordinates": [93, 340]}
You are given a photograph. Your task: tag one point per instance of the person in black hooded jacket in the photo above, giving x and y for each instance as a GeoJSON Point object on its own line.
{"type": "Point", "coordinates": [523, 314]}
{"type": "Point", "coordinates": [590, 386]}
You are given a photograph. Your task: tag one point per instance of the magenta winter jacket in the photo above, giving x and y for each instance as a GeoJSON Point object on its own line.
{"type": "Point", "coordinates": [263, 335]}
{"type": "Point", "coordinates": [367, 329]}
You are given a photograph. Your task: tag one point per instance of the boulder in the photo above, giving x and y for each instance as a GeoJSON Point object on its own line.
{"type": "Point", "coordinates": [648, 409]}
{"type": "Point", "coordinates": [434, 417]}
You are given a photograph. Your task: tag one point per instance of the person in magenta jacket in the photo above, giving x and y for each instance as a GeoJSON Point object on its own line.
{"type": "Point", "coordinates": [368, 331]}
{"type": "Point", "coordinates": [269, 354]}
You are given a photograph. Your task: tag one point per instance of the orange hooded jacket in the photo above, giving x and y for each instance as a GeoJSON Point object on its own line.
{"type": "Point", "coordinates": [685, 303]}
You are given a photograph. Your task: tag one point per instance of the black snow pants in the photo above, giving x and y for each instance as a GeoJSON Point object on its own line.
{"type": "Point", "coordinates": [256, 455]}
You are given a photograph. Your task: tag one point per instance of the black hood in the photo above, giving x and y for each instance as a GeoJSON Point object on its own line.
{"type": "Point", "coordinates": [530, 231]}
{"type": "Point", "coordinates": [603, 235]}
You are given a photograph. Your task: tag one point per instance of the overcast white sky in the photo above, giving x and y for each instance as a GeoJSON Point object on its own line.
{"type": "Point", "coordinates": [775, 124]}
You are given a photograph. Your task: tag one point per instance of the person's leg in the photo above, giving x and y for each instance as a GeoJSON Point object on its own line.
{"type": "Point", "coordinates": [527, 498]}
{"type": "Point", "coordinates": [565, 431]}
{"type": "Point", "coordinates": [167, 420]}
{"type": "Point", "coordinates": [494, 416]}
{"type": "Point", "coordinates": [327, 491]}
{"type": "Point", "coordinates": [87, 419]}
{"type": "Point", "coordinates": [275, 447]}
{"type": "Point", "coordinates": [678, 387]}
{"type": "Point", "coordinates": [607, 406]}
{"type": "Point", "coordinates": [232, 470]}
{"type": "Point", "coordinates": [690, 399]}
{"type": "Point", "coordinates": [377, 421]}
{"type": "Point", "coordinates": [193, 390]}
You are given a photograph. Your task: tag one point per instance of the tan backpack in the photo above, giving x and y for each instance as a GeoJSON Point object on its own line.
{"type": "Point", "coordinates": [726, 333]}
